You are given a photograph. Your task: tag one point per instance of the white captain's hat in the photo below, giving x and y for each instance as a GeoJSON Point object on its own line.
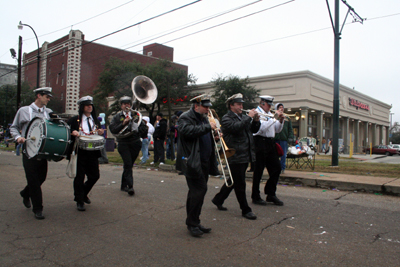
{"type": "Point", "coordinates": [125, 99]}
{"type": "Point", "coordinates": [43, 91]}
{"type": "Point", "coordinates": [236, 98]}
{"type": "Point", "coordinates": [267, 98]}
{"type": "Point", "coordinates": [203, 99]}
{"type": "Point", "coordinates": [86, 100]}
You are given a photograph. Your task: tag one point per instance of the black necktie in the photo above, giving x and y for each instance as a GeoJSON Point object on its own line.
{"type": "Point", "coordinates": [39, 110]}
{"type": "Point", "coordinates": [88, 123]}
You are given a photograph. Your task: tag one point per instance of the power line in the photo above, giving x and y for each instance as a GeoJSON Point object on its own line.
{"type": "Point", "coordinates": [85, 20]}
{"type": "Point", "coordinates": [146, 20]}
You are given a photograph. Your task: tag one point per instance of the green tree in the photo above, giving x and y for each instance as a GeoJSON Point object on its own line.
{"type": "Point", "coordinates": [8, 101]}
{"type": "Point", "coordinates": [117, 76]}
{"type": "Point", "coordinates": [225, 87]}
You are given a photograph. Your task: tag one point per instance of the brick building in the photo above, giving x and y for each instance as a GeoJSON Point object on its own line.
{"type": "Point", "coordinates": [71, 65]}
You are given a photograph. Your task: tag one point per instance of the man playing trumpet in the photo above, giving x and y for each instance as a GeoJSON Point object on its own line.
{"type": "Point", "coordinates": [238, 132]}
{"type": "Point", "coordinates": [129, 144]}
{"type": "Point", "coordinates": [266, 154]}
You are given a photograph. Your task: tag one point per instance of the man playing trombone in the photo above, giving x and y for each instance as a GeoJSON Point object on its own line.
{"type": "Point", "coordinates": [196, 158]}
{"type": "Point", "coordinates": [266, 154]}
{"type": "Point", "coordinates": [238, 132]}
{"type": "Point", "coordinates": [129, 143]}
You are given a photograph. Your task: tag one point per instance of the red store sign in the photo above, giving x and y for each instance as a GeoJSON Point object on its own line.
{"type": "Point", "coordinates": [358, 104]}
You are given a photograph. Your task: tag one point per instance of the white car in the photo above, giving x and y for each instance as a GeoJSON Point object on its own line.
{"type": "Point", "coordinates": [395, 146]}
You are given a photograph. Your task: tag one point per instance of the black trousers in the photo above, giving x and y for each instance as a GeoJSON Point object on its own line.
{"type": "Point", "coordinates": [197, 192]}
{"type": "Point", "coordinates": [129, 152]}
{"type": "Point", "coordinates": [159, 151]}
{"type": "Point", "coordinates": [238, 172]}
{"type": "Point", "coordinates": [35, 172]}
{"type": "Point", "coordinates": [266, 157]}
{"type": "Point", "coordinates": [87, 164]}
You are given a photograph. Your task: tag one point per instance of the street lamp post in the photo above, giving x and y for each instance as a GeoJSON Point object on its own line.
{"type": "Point", "coordinates": [20, 27]}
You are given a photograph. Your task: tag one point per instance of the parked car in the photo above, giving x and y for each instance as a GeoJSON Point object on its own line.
{"type": "Point", "coordinates": [381, 149]}
{"type": "Point", "coordinates": [395, 146]}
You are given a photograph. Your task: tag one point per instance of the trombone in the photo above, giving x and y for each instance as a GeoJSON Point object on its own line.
{"type": "Point", "coordinates": [226, 153]}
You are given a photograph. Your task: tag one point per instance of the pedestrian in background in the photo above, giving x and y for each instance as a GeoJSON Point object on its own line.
{"type": "Point", "coordinates": [284, 137]}
{"type": "Point", "coordinates": [146, 141]}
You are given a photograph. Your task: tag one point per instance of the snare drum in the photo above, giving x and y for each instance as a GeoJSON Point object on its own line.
{"type": "Point", "coordinates": [91, 142]}
{"type": "Point", "coordinates": [47, 139]}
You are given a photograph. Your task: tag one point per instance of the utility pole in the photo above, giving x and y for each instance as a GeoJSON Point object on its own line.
{"type": "Point", "coordinates": [19, 73]}
{"type": "Point", "coordinates": [337, 33]}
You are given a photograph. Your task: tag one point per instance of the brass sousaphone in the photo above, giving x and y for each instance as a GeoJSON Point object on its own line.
{"type": "Point", "coordinates": [144, 91]}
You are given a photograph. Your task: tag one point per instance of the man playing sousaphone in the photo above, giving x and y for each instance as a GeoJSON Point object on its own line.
{"type": "Point", "coordinates": [129, 143]}
{"type": "Point", "coordinates": [35, 169]}
{"type": "Point", "coordinates": [85, 124]}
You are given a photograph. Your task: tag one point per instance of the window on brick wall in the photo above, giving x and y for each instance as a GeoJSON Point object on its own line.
{"type": "Point", "coordinates": [62, 66]}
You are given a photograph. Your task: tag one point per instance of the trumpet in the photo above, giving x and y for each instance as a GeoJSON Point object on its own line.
{"type": "Point", "coordinates": [266, 116]}
{"type": "Point", "coordinates": [226, 153]}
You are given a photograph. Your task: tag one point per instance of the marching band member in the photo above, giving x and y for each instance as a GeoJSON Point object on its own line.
{"type": "Point", "coordinates": [196, 158]}
{"type": "Point", "coordinates": [85, 124]}
{"type": "Point", "coordinates": [266, 154]}
{"type": "Point", "coordinates": [238, 132]}
{"type": "Point", "coordinates": [129, 144]}
{"type": "Point", "coordinates": [35, 169]}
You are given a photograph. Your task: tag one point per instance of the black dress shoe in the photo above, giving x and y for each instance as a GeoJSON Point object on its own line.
{"type": "Point", "coordinates": [131, 192]}
{"type": "Point", "coordinates": [220, 207]}
{"type": "Point", "coordinates": [204, 229]}
{"type": "Point", "coordinates": [125, 189]}
{"type": "Point", "coordinates": [80, 206]}
{"type": "Point", "coordinates": [39, 215]}
{"type": "Point", "coordinates": [260, 201]}
{"type": "Point", "coordinates": [87, 200]}
{"type": "Point", "coordinates": [250, 215]}
{"type": "Point", "coordinates": [195, 231]}
{"type": "Point", "coordinates": [274, 200]}
{"type": "Point", "coordinates": [25, 200]}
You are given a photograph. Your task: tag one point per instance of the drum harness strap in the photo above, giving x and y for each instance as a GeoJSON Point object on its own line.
{"type": "Point", "coordinates": [31, 113]}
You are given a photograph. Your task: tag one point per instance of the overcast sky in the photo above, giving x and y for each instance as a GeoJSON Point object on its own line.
{"type": "Point", "coordinates": [288, 36]}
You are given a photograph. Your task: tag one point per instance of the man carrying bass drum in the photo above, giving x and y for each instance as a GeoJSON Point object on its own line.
{"type": "Point", "coordinates": [85, 124]}
{"type": "Point", "coordinates": [35, 169]}
{"type": "Point", "coordinates": [129, 143]}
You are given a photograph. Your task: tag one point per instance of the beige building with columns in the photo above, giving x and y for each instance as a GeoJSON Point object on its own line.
{"type": "Point", "coordinates": [311, 95]}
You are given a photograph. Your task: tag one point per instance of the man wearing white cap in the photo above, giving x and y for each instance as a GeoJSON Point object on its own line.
{"type": "Point", "coordinates": [35, 169]}
{"type": "Point", "coordinates": [238, 130]}
{"type": "Point", "coordinates": [85, 123]}
{"type": "Point", "coordinates": [196, 159]}
{"type": "Point", "coordinates": [266, 154]}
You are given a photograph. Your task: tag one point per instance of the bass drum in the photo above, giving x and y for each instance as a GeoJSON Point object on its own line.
{"type": "Point", "coordinates": [47, 139]}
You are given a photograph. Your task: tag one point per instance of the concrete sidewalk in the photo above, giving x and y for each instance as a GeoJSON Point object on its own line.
{"type": "Point", "coordinates": [347, 182]}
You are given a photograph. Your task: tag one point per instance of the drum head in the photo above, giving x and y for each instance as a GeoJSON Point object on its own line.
{"type": "Point", "coordinates": [34, 135]}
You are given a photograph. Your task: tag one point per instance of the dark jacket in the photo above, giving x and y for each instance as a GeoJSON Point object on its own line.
{"type": "Point", "coordinates": [238, 134]}
{"type": "Point", "coordinates": [160, 131]}
{"type": "Point", "coordinates": [74, 125]}
{"type": "Point", "coordinates": [116, 126]}
{"type": "Point", "coordinates": [287, 132]}
{"type": "Point", "coordinates": [188, 153]}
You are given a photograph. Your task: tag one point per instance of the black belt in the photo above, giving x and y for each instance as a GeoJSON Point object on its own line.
{"type": "Point", "coordinates": [264, 138]}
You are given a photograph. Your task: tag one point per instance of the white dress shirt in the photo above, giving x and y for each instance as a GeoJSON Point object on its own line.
{"type": "Point", "coordinates": [269, 126]}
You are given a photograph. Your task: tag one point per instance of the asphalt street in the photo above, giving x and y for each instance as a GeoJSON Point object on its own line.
{"type": "Point", "coordinates": [315, 227]}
